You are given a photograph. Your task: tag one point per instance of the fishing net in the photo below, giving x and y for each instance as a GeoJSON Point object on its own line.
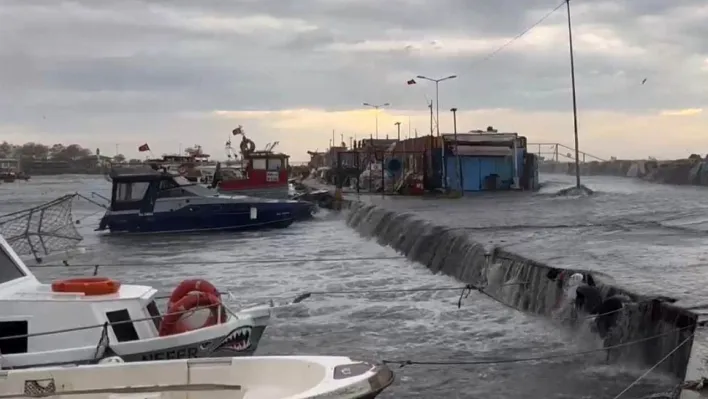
{"type": "Point", "coordinates": [41, 230]}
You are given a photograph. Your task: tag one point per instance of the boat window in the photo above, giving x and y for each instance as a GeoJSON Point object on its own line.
{"type": "Point", "coordinates": [172, 189]}
{"type": "Point", "coordinates": [259, 164]}
{"type": "Point", "coordinates": [8, 269]}
{"type": "Point", "coordinates": [154, 313]}
{"type": "Point", "coordinates": [131, 191]}
{"type": "Point", "coordinates": [122, 325]}
{"type": "Point", "coordinates": [275, 164]}
{"type": "Point", "coordinates": [13, 329]}
{"type": "Point", "coordinates": [174, 193]}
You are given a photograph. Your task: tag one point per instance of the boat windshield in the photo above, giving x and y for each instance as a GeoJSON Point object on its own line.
{"type": "Point", "coordinates": [8, 268]}
{"type": "Point", "coordinates": [182, 181]}
{"type": "Point", "coordinates": [193, 188]}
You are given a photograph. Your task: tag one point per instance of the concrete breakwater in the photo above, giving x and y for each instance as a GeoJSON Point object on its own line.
{"type": "Point", "coordinates": [654, 325]}
{"type": "Point", "coordinates": [692, 171]}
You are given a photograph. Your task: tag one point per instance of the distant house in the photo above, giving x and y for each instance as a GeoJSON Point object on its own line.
{"type": "Point", "coordinates": [9, 164]}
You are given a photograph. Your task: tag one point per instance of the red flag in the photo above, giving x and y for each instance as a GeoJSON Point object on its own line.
{"type": "Point", "coordinates": [144, 148]}
{"type": "Point", "coordinates": [411, 82]}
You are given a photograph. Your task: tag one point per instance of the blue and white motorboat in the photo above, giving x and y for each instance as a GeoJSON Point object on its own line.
{"type": "Point", "coordinates": [145, 200]}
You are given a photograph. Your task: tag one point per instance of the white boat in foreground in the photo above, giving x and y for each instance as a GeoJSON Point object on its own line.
{"type": "Point", "coordinates": [79, 321]}
{"type": "Point", "coordinates": [266, 377]}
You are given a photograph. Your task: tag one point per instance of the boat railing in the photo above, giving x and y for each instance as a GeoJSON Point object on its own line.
{"type": "Point", "coordinates": [556, 151]}
{"type": "Point", "coordinates": [43, 229]}
{"type": "Point", "coordinates": [105, 325]}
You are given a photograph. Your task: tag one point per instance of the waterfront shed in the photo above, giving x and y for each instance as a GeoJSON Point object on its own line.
{"type": "Point", "coordinates": [487, 161]}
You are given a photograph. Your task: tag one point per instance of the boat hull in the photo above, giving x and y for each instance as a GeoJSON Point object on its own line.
{"type": "Point", "coordinates": [240, 336]}
{"type": "Point", "coordinates": [211, 217]}
{"type": "Point", "coordinates": [275, 192]}
{"type": "Point", "coordinates": [282, 377]}
{"type": "Point", "coordinates": [196, 350]}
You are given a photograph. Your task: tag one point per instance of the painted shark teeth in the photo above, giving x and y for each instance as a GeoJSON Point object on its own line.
{"type": "Point", "coordinates": [238, 340]}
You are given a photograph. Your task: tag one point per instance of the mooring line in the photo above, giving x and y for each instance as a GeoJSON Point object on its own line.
{"type": "Point", "coordinates": [646, 373]}
{"type": "Point", "coordinates": [403, 363]}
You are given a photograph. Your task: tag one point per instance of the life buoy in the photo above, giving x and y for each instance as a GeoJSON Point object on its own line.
{"type": "Point", "coordinates": [87, 286]}
{"type": "Point", "coordinates": [171, 324]}
{"type": "Point", "coordinates": [187, 286]}
{"type": "Point", "coordinates": [247, 146]}
{"type": "Point", "coordinates": [182, 170]}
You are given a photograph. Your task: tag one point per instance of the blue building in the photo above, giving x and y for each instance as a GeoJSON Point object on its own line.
{"type": "Point", "coordinates": [488, 162]}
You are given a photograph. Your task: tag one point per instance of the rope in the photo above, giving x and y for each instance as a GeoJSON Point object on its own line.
{"type": "Point", "coordinates": [403, 363]}
{"type": "Point", "coordinates": [466, 290]}
{"type": "Point", "coordinates": [646, 373]}
{"type": "Point", "coordinates": [224, 262]}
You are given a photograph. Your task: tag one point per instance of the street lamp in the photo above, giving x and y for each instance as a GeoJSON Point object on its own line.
{"type": "Point", "coordinates": [398, 125]}
{"type": "Point", "coordinates": [437, 96]}
{"type": "Point", "coordinates": [457, 151]}
{"type": "Point", "coordinates": [376, 107]}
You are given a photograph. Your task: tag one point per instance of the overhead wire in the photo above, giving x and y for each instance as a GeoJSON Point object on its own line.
{"type": "Point", "coordinates": [520, 35]}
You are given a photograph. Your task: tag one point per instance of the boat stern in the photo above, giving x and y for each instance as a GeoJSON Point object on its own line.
{"type": "Point", "coordinates": [303, 210]}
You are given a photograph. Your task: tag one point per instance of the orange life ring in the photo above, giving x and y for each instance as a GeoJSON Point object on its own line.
{"type": "Point", "coordinates": [171, 322]}
{"type": "Point", "coordinates": [87, 286]}
{"type": "Point", "coordinates": [182, 170]}
{"type": "Point", "coordinates": [187, 286]}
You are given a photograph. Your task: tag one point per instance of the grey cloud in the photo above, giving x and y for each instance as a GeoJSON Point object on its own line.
{"type": "Point", "coordinates": [95, 60]}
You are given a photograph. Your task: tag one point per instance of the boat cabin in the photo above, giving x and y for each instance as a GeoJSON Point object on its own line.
{"type": "Point", "coordinates": [261, 170]}
{"type": "Point", "coordinates": [138, 189]}
{"type": "Point", "coordinates": [32, 313]}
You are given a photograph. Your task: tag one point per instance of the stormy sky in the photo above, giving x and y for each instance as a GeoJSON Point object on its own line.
{"type": "Point", "coordinates": [181, 72]}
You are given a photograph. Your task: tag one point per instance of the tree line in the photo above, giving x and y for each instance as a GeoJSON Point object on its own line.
{"type": "Point", "coordinates": [55, 152]}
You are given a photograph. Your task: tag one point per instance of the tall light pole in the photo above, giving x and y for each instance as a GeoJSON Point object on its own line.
{"type": "Point", "coordinates": [437, 96]}
{"type": "Point", "coordinates": [457, 151]}
{"type": "Point", "coordinates": [376, 107]}
{"type": "Point", "coordinates": [398, 125]}
{"type": "Point", "coordinates": [575, 104]}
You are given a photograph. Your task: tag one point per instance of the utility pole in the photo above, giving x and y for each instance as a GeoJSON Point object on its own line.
{"type": "Point", "coordinates": [398, 125]}
{"type": "Point", "coordinates": [575, 104]}
{"type": "Point", "coordinates": [457, 151]}
{"type": "Point", "coordinates": [431, 118]}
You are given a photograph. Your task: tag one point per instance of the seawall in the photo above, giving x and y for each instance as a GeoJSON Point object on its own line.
{"type": "Point", "coordinates": [524, 284]}
{"type": "Point", "coordinates": [691, 171]}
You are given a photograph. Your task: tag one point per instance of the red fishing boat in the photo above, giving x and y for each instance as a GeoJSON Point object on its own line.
{"type": "Point", "coordinates": [262, 173]}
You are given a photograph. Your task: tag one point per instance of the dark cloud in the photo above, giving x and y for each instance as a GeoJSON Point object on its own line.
{"type": "Point", "coordinates": [90, 59]}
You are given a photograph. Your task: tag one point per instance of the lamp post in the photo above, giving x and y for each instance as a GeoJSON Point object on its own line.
{"type": "Point", "coordinates": [398, 125]}
{"type": "Point", "coordinates": [575, 104]}
{"type": "Point", "coordinates": [437, 96]}
{"type": "Point", "coordinates": [376, 107]}
{"type": "Point", "coordinates": [457, 151]}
